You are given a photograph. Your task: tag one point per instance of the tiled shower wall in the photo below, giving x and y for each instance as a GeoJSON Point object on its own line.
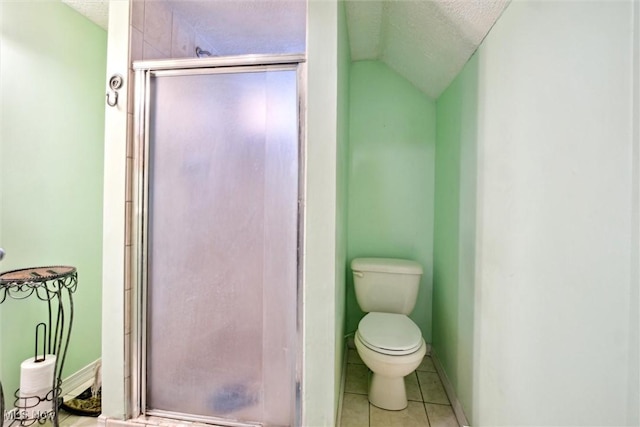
{"type": "Point", "coordinates": [157, 32]}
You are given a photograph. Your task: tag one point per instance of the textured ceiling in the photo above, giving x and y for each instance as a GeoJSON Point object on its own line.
{"type": "Point", "coordinates": [96, 10]}
{"type": "Point", "coordinates": [427, 42]}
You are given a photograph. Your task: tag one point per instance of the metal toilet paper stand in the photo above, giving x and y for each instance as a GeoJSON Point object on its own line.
{"type": "Point", "coordinates": [55, 286]}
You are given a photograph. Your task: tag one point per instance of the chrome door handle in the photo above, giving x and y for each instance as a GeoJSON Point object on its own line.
{"type": "Point", "coordinates": [2, 253]}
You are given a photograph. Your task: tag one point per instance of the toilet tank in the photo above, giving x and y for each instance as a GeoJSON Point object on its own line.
{"type": "Point", "coordinates": [387, 285]}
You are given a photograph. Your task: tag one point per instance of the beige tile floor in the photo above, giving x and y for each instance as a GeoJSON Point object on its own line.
{"type": "Point", "coordinates": [428, 402]}
{"type": "Point", "coordinates": [67, 420]}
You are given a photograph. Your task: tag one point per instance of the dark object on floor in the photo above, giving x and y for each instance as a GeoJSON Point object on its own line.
{"type": "Point", "coordinates": [232, 397]}
{"type": "Point", "coordinates": [85, 405]}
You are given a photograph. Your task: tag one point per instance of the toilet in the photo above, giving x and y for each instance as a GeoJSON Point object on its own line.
{"type": "Point", "coordinates": [387, 340]}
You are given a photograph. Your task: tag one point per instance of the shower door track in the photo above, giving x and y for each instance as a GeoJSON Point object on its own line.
{"type": "Point", "coordinates": [144, 70]}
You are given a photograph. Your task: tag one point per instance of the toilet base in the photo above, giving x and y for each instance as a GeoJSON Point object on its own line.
{"type": "Point", "coordinates": [387, 389]}
{"type": "Point", "coordinates": [388, 392]}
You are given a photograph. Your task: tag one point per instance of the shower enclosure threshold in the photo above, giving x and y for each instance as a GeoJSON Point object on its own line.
{"type": "Point", "coordinates": [171, 419]}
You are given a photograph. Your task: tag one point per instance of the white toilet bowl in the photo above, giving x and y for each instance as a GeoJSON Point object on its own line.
{"type": "Point", "coordinates": [391, 345]}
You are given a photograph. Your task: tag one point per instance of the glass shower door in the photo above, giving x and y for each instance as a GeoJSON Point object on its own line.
{"type": "Point", "coordinates": [222, 221]}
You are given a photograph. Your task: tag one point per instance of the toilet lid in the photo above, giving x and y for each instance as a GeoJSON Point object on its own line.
{"type": "Point", "coordinates": [390, 333]}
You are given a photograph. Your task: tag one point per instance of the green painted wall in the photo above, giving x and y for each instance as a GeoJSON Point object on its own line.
{"type": "Point", "coordinates": [52, 86]}
{"type": "Point", "coordinates": [391, 178]}
{"type": "Point", "coordinates": [342, 170]}
{"type": "Point", "coordinates": [454, 234]}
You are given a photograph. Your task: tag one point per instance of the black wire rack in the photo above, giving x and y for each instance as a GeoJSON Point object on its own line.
{"type": "Point", "coordinates": [54, 286]}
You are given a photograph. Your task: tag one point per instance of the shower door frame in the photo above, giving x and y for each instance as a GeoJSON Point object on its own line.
{"type": "Point", "coordinates": [139, 183]}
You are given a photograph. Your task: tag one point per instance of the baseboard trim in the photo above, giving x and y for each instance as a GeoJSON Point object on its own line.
{"type": "Point", "coordinates": [451, 394]}
{"type": "Point", "coordinates": [343, 380]}
{"type": "Point", "coordinates": [78, 378]}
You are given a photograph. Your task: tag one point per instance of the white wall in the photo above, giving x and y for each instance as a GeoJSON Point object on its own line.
{"type": "Point", "coordinates": [114, 386]}
{"type": "Point", "coordinates": [342, 173]}
{"type": "Point", "coordinates": [556, 300]}
{"type": "Point", "coordinates": [633, 393]}
{"type": "Point", "coordinates": [319, 286]}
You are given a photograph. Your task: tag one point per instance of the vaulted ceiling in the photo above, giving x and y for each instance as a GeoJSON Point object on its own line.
{"type": "Point", "coordinates": [425, 41]}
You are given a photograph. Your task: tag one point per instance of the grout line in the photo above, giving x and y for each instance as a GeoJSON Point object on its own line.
{"type": "Point", "coordinates": [419, 387]}
{"type": "Point", "coordinates": [426, 414]}
{"type": "Point", "coordinates": [425, 410]}
{"type": "Point", "coordinates": [460, 416]}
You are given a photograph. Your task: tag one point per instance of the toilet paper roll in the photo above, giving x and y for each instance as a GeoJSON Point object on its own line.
{"type": "Point", "coordinates": [36, 383]}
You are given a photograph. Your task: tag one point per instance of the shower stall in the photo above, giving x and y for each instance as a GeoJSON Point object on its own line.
{"type": "Point", "coordinates": [217, 213]}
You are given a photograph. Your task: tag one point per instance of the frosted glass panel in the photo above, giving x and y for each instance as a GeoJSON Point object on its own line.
{"type": "Point", "coordinates": [222, 245]}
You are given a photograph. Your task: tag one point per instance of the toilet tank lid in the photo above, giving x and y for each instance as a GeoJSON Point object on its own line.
{"type": "Point", "coordinates": [386, 265]}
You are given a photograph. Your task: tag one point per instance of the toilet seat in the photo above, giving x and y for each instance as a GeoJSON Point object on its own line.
{"type": "Point", "coordinates": [389, 333]}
